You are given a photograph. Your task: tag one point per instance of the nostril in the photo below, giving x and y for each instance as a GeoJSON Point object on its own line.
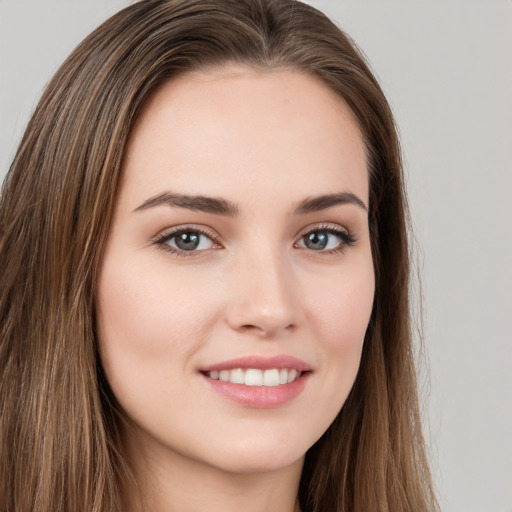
{"type": "Point", "coordinates": [252, 328]}
{"type": "Point", "coordinates": [265, 330]}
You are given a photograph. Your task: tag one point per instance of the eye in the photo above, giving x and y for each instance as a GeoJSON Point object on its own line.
{"type": "Point", "coordinates": [326, 239]}
{"type": "Point", "coordinates": [186, 240]}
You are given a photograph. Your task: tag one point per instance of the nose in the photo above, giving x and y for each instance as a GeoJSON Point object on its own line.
{"type": "Point", "coordinates": [264, 301]}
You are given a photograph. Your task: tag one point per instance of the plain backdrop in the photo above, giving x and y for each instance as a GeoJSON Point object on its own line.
{"type": "Point", "coordinates": [446, 67]}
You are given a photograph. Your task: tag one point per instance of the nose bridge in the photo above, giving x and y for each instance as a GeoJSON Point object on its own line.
{"type": "Point", "coordinates": [264, 301]}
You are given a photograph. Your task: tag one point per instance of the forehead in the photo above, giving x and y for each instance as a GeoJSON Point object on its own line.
{"type": "Point", "coordinates": [217, 130]}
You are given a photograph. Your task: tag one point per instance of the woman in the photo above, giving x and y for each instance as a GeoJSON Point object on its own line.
{"type": "Point", "coordinates": [205, 289]}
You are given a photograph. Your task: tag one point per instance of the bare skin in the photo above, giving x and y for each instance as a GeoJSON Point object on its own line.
{"type": "Point", "coordinates": [221, 249]}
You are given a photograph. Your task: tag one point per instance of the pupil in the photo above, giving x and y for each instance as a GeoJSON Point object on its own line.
{"type": "Point", "coordinates": [316, 240]}
{"type": "Point", "coordinates": [187, 241]}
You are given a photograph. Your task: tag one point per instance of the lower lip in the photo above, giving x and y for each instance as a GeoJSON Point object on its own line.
{"type": "Point", "coordinates": [259, 397]}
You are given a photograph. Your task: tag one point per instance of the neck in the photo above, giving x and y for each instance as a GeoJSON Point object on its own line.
{"type": "Point", "coordinates": [170, 481]}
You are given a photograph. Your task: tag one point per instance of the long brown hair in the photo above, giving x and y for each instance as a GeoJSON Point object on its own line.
{"type": "Point", "coordinates": [60, 448]}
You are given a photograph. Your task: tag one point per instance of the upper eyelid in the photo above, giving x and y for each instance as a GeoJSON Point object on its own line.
{"type": "Point", "coordinates": [214, 234]}
{"type": "Point", "coordinates": [323, 226]}
{"type": "Point", "coordinates": [169, 232]}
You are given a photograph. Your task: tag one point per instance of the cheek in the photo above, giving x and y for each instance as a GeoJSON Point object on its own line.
{"type": "Point", "coordinates": [341, 319]}
{"type": "Point", "coordinates": [148, 322]}
{"type": "Point", "coordinates": [342, 309]}
{"type": "Point", "coordinates": [149, 329]}
{"type": "Point", "coordinates": [140, 303]}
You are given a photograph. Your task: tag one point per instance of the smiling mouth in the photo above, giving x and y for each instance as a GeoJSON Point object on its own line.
{"type": "Point", "coordinates": [258, 382]}
{"type": "Point", "coordinates": [256, 377]}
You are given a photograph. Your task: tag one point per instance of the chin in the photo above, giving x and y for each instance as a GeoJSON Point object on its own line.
{"type": "Point", "coordinates": [257, 454]}
{"type": "Point", "coordinates": [250, 463]}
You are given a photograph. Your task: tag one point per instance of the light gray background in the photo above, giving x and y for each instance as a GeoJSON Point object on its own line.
{"type": "Point", "coordinates": [446, 67]}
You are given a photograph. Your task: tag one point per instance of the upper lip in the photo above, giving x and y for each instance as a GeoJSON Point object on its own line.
{"type": "Point", "coordinates": [260, 362]}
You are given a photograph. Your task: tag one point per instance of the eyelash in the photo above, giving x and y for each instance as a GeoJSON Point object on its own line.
{"type": "Point", "coordinates": [161, 240]}
{"type": "Point", "coordinates": [347, 240]}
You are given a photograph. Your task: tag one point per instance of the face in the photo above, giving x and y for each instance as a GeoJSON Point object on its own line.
{"type": "Point", "coordinates": [237, 282]}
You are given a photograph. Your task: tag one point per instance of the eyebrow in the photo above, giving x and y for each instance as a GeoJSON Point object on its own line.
{"type": "Point", "coordinates": [219, 206]}
{"type": "Point", "coordinates": [197, 203]}
{"type": "Point", "coordinates": [325, 201]}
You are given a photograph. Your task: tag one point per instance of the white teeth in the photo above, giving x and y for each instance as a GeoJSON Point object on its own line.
{"type": "Point", "coordinates": [292, 375]}
{"type": "Point", "coordinates": [237, 376]}
{"type": "Point", "coordinates": [271, 378]}
{"type": "Point", "coordinates": [255, 376]}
